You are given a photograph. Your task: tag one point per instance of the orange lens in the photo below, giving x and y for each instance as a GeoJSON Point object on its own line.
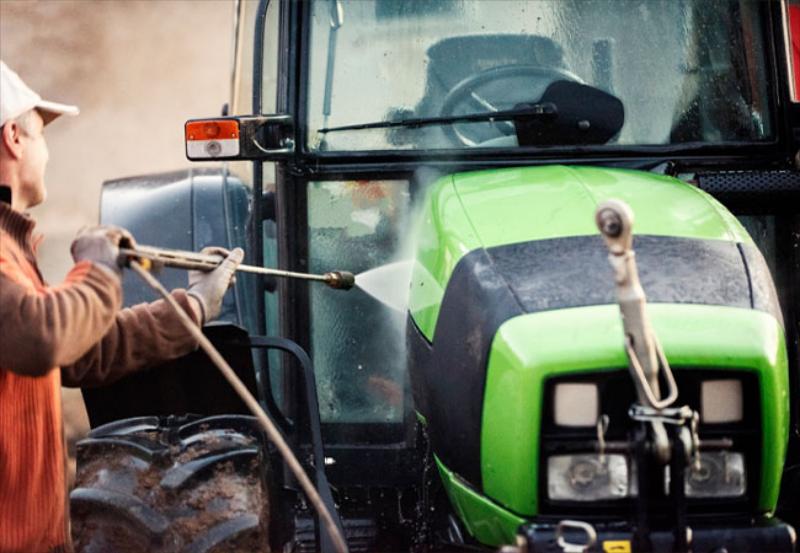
{"type": "Point", "coordinates": [212, 129]}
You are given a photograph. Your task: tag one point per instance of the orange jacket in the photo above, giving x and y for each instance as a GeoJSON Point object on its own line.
{"type": "Point", "coordinates": [76, 326]}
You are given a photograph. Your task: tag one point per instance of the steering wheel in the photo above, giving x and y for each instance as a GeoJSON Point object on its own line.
{"type": "Point", "coordinates": [464, 98]}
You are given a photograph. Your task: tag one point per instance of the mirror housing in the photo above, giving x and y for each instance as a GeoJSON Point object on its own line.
{"type": "Point", "coordinates": [585, 115]}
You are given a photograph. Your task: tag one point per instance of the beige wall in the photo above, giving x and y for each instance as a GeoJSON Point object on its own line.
{"type": "Point", "coordinates": [137, 70]}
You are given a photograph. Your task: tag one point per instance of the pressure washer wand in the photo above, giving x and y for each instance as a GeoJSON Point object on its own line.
{"type": "Point", "coordinates": [179, 259]}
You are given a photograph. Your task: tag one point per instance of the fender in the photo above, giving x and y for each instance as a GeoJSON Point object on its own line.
{"type": "Point", "coordinates": [186, 210]}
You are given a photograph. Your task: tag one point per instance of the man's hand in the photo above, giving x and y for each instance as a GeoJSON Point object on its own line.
{"type": "Point", "coordinates": [208, 288]}
{"type": "Point", "coordinates": [101, 245]}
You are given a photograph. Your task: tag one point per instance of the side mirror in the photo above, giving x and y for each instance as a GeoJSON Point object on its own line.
{"type": "Point", "coordinates": [265, 137]}
{"type": "Point", "coordinates": [585, 115]}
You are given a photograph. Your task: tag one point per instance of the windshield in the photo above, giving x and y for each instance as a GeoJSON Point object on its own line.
{"type": "Point", "coordinates": [685, 71]}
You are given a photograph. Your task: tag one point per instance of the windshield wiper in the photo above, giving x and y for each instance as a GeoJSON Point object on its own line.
{"type": "Point", "coordinates": [543, 111]}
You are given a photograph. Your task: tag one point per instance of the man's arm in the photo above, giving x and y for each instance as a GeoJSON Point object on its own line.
{"type": "Point", "coordinates": [42, 330]}
{"type": "Point", "coordinates": [140, 337]}
{"type": "Point", "coordinates": [148, 334]}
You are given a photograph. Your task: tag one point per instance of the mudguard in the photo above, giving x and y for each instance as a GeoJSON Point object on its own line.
{"type": "Point", "coordinates": [185, 210]}
{"type": "Point", "coordinates": [182, 210]}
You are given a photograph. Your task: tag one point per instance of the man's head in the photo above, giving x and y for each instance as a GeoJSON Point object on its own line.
{"type": "Point", "coordinates": [23, 150]}
{"type": "Point", "coordinates": [23, 158]}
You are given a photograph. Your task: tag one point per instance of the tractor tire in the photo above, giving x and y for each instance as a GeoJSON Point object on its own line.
{"type": "Point", "coordinates": [172, 485]}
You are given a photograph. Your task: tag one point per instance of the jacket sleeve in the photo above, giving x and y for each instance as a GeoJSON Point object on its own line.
{"type": "Point", "coordinates": [140, 337]}
{"type": "Point", "coordinates": [55, 326]}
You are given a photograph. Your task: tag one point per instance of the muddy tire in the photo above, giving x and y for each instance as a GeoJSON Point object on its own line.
{"type": "Point", "coordinates": [169, 485]}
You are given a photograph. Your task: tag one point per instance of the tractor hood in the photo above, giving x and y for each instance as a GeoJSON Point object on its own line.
{"type": "Point", "coordinates": [534, 228]}
{"type": "Point", "coordinates": [518, 249]}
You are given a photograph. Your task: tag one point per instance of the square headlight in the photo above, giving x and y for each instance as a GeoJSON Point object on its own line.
{"type": "Point", "coordinates": [721, 401]}
{"type": "Point", "coordinates": [720, 474]}
{"type": "Point", "coordinates": [589, 477]}
{"type": "Point", "coordinates": [575, 404]}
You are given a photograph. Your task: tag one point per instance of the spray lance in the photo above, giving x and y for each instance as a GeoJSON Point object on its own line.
{"type": "Point", "coordinates": [155, 258]}
{"type": "Point", "coordinates": [142, 259]}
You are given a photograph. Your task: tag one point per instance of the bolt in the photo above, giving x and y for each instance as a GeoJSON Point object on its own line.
{"type": "Point", "coordinates": [213, 148]}
{"type": "Point", "coordinates": [610, 223]}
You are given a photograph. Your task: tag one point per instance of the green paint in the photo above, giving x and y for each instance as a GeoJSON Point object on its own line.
{"type": "Point", "coordinates": [529, 349]}
{"type": "Point", "coordinates": [444, 236]}
{"type": "Point", "coordinates": [490, 208]}
{"type": "Point", "coordinates": [467, 211]}
{"type": "Point", "coordinates": [486, 521]}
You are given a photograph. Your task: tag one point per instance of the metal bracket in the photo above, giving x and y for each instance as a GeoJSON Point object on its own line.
{"type": "Point", "coordinates": [676, 416]}
{"type": "Point", "coordinates": [569, 547]}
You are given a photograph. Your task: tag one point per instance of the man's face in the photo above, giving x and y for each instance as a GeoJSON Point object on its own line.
{"type": "Point", "coordinates": [33, 161]}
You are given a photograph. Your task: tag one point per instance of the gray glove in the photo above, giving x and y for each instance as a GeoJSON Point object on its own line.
{"type": "Point", "coordinates": [208, 288]}
{"type": "Point", "coordinates": [101, 245]}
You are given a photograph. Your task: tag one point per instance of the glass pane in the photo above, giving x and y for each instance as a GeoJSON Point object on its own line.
{"type": "Point", "coordinates": [243, 105]}
{"type": "Point", "coordinates": [269, 81]}
{"type": "Point", "coordinates": [685, 70]}
{"type": "Point", "coordinates": [242, 101]}
{"type": "Point", "coordinates": [357, 342]}
{"type": "Point", "coordinates": [269, 96]}
{"type": "Point", "coordinates": [243, 83]}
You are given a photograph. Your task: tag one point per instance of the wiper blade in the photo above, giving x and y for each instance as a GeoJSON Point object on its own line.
{"type": "Point", "coordinates": [545, 110]}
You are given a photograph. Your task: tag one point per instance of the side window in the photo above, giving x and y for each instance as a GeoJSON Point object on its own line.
{"type": "Point", "coordinates": [244, 171]}
{"type": "Point", "coordinates": [269, 97]}
{"type": "Point", "coordinates": [357, 342]}
{"type": "Point", "coordinates": [269, 233]}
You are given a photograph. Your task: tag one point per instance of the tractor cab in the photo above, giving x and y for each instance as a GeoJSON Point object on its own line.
{"type": "Point", "coordinates": [474, 389]}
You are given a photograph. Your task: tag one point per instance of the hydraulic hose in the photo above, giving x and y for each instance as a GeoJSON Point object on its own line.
{"type": "Point", "coordinates": [269, 427]}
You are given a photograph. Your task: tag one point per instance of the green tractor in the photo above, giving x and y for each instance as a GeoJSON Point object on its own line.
{"type": "Point", "coordinates": [496, 379]}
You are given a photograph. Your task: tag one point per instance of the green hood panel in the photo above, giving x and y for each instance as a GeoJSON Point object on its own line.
{"type": "Point", "coordinates": [486, 521]}
{"type": "Point", "coordinates": [485, 209]}
{"type": "Point", "coordinates": [529, 349]}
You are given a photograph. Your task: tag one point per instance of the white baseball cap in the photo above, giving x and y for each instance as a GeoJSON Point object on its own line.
{"type": "Point", "coordinates": [16, 98]}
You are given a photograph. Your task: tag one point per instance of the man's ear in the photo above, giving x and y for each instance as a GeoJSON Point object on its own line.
{"type": "Point", "coordinates": [11, 139]}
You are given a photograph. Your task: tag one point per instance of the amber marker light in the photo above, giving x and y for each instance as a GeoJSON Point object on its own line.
{"type": "Point", "coordinates": [212, 138]}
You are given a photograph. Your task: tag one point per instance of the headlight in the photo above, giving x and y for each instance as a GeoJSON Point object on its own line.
{"type": "Point", "coordinates": [575, 404]}
{"type": "Point", "coordinates": [720, 474]}
{"type": "Point", "coordinates": [721, 401]}
{"type": "Point", "coordinates": [589, 477]}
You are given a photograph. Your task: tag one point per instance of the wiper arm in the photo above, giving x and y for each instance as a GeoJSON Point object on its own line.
{"type": "Point", "coordinates": [545, 111]}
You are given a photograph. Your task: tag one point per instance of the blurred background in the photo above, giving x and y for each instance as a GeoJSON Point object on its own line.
{"type": "Point", "coordinates": [137, 69]}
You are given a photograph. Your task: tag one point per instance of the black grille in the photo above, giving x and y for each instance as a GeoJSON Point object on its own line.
{"type": "Point", "coordinates": [617, 394]}
{"type": "Point", "coordinates": [752, 188]}
{"type": "Point", "coordinates": [750, 181]}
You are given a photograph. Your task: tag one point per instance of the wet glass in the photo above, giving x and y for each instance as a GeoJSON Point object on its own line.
{"type": "Point", "coordinates": [357, 341]}
{"type": "Point", "coordinates": [686, 71]}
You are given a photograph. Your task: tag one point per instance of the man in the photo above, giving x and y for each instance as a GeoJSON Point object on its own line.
{"type": "Point", "coordinates": [72, 334]}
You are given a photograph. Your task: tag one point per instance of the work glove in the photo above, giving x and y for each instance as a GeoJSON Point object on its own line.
{"type": "Point", "coordinates": [100, 245]}
{"type": "Point", "coordinates": [208, 288]}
